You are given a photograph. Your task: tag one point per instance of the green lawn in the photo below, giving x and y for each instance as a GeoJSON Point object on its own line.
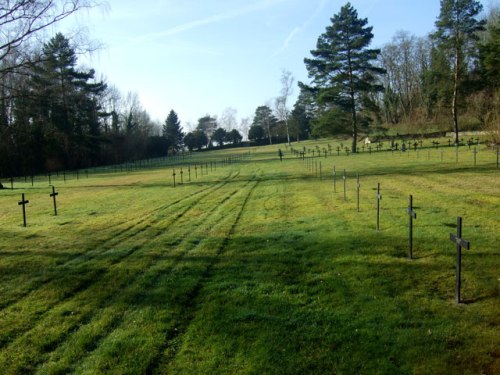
{"type": "Point", "coordinates": [255, 267]}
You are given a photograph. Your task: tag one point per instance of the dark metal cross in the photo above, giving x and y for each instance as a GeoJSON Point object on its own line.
{"type": "Point", "coordinates": [344, 177]}
{"type": "Point", "coordinates": [195, 171]}
{"type": "Point", "coordinates": [334, 180]}
{"type": "Point", "coordinates": [53, 195]}
{"type": "Point", "coordinates": [173, 175]}
{"type": "Point", "coordinates": [413, 215]}
{"type": "Point", "coordinates": [23, 202]}
{"type": "Point", "coordinates": [189, 173]}
{"type": "Point", "coordinates": [338, 150]}
{"type": "Point", "coordinates": [460, 242]}
{"type": "Point", "coordinates": [358, 186]}
{"type": "Point", "coordinates": [379, 198]}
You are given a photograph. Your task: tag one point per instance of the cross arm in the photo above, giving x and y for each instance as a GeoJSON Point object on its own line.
{"type": "Point", "coordinates": [459, 241]}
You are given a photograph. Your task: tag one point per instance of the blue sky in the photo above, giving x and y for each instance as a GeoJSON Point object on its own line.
{"type": "Point", "coordinates": [202, 56]}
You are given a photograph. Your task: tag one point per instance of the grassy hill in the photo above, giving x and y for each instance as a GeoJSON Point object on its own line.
{"type": "Point", "coordinates": [255, 266]}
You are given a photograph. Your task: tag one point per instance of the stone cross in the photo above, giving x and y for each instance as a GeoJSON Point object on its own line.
{"type": "Point", "coordinates": [23, 202]}
{"type": "Point", "coordinates": [53, 195]}
{"type": "Point", "coordinates": [413, 215]}
{"type": "Point", "coordinates": [379, 198]}
{"type": "Point", "coordinates": [460, 242]}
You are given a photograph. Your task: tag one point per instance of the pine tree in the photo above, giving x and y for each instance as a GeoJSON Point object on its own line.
{"type": "Point", "coordinates": [457, 27]}
{"type": "Point", "coordinates": [172, 131]}
{"type": "Point", "coordinates": [341, 68]}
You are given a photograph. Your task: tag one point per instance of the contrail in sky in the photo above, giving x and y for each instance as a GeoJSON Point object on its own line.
{"type": "Point", "coordinates": [261, 5]}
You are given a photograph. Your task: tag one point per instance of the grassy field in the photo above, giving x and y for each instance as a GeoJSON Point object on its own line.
{"type": "Point", "coordinates": [255, 267]}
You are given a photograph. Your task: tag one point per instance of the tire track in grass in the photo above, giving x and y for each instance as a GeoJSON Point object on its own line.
{"type": "Point", "coordinates": [58, 316]}
{"type": "Point", "coordinates": [172, 339]}
{"type": "Point", "coordinates": [155, 281]}
{"type": "Point", "coordinates": [91, 252]}
{"type": "Point", "coordinates": [75, 279]}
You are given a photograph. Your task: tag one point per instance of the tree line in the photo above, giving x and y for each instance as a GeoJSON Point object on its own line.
{"type": "Point", "coordinates": [55, 116]}
{"type": "Point", "coordinates": [435, 82]}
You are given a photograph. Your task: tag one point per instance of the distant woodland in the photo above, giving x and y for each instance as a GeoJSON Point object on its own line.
{"type": "Point", "coordinates": [55, 115]}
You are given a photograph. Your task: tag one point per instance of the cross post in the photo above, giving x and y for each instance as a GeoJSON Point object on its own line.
{"type": "Point", "coordinates": [358, 186]}
{"type": "Point", "coordinates": [189, 173]}
{"type": "Point", "coordinates": [379, 197]}
{"type": "Point", "coordinates": [344, 177]}
{"type": "Point", "coordinates": [53, 195]}
{"type": "Point", "coordinates": [173, 175]}
{"type": "Point", "coordinates": [23, 202]}
{"type": "Point", "coordinates": [334, 180]}
{"type": "Point", "coordinates": [413, 215]}
{"type": "Point", "coordinates": [475, 153]}
{"type": "Point", "coordinates": [460, 242]}
{"type": "Point", "coordinates": [182, 180]}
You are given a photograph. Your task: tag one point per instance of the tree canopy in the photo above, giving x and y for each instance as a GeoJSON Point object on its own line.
{"type": "Point", "coordinates": [342, 68]}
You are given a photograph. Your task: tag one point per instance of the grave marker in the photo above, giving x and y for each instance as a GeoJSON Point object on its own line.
{"type": "Point", "coordinates": [413, 215]}
{"type": "Point", "coordinates": [379, 198]}
{"type": "Point", "coordinates": [53, 195]}
{"type": "Point", "coordinates": [173, 175]}
{"type": "Point", "coordinates": [344, 177]}
{"type": "Point", "coordinates": [357, 191]}
{"type": "Point", "coordinates": [23, 202]}
{"type": "Point", "coordinates": [460, 242]}
{"type": "Point", "coordinates": [334, 180]}
{"type": "Point", "coordinates": [475, 153]}
{"type": "Point", "coordinates": [182, 180]}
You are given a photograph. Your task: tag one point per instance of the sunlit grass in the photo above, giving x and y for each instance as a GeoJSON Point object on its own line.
{"type": "Point", "coordinates": [254, 266]}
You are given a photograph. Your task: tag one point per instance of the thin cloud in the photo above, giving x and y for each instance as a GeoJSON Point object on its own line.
{"type": "Point", "coordinates": [297, 29]}
{"type": "Point", "coordinates": [261, 5]}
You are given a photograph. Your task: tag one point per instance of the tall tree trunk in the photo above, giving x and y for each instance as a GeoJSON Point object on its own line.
{"type": "Point", "coordinates": [455, 94]}
{"type": "Point", "coordinates": [353, 110]}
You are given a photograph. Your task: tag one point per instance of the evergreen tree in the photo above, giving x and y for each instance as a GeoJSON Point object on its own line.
{"type": "Point", "coordinates": [341, 67]}
{"type": "Point", "coordinates": [256, 133]}
{"type": "Point", "coordinates": [172, 131]}
{"type": "Point", "coordinates": [219, 136]}
{"type": "Point", "coordinates": [457, 27]}
{"type": "Point", "coordinates": [65, 102]}
{"type": "Point", "coordinates": [266, 120]}
{"type": "Point", "coordinates": [234, 137]}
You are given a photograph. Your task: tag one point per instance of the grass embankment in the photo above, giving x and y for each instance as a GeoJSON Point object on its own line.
{"type": "Point", "coordinates": [256, 267]}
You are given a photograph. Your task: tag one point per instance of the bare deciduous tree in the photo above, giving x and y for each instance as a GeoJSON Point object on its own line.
{"type": "Point", "coordinates": [21, 20]}
{"type": "Point", "coordinates": [281, 103]}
